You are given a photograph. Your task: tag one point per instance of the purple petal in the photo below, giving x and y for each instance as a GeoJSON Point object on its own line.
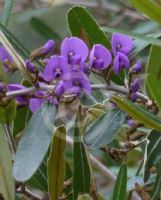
{"type": "Point", "coordinates": [30, 66]}
{"type": "Point", "coordinates": [121, 61]}
{"type": "Point", "coordinates": [6, 58]}
{"type": "Point", "coordinates": [133, 96]}
{"type": "Point", "coordinates": [48, 47]}
{"type": "Point", "coordinates": [121, 43]}
{"type": "Point", "coordinates": [35, 104]}
{"type": "Point", "coordinates": [74, 46]}
{"type": "Point", "coordinates": [56, 67]}
{"type": "Point", "coordinates": [100, 57]}
{"type": "Point", "coordinates": [22, 99]}
{"type": "Point", "coordinates": [135, 85]}
{"type": "Point", "coordinates": [137, 67]}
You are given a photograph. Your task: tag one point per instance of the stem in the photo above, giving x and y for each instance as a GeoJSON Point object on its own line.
{"type": "Point", "coordinates": [10, 138]}
{"type": "Point", "coordinates": [111, 87]}
{"type": "Point", "coordinates": [6, 12]}
{"type": "Point", "coordinates": [25, 191]}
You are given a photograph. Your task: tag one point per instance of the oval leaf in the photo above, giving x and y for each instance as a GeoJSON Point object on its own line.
{"type": "Point", "coordinates": [56, 163]}
{"type": "Point", "coordinates": [34, 143]}
{"type": "Point", "coordinates": [81, 24]}
{"type": "Point", "coordinates": [7, 185]}
{"type": "Point", "coordinates": [138, 113]}
{"type": "Point", "coordinates": [104, 129]}
{"type": "Point", "coordinates": [119, 192]}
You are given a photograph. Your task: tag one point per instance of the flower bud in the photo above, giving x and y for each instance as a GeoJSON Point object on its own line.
{"type": "Point", "coordinates": [31, 67]}
{"type": "Point", "coordinates": [135, 86]}
{"type": "Point", "coordinates": [137, 67]}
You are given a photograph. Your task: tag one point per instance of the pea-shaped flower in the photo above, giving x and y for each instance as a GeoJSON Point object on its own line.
{"type": "Point", "coordinates": [121, 43]}
{"type": "Point", "coordinates": [56, 67]}
{"type": "Point", "coordinates": [74, 49]}
{"type": "Point", "coordinates": [100, 57]}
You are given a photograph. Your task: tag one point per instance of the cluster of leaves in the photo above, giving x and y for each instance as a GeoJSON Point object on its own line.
{"type": "Point", "coordinates": [43, 160]}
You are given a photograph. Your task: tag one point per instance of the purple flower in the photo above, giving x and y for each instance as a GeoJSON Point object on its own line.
{"type": "Point", "coordinates": [131, 123]}
{"type": "Point", "coordinates": [121, 43]}
{"type": "Point", "coordinates": [31, 67]}
{"type": "Point", "coordinates": [100, 57]}
{"type": "Point", "coordinates": [74, 49]}
{"type": "Point", "coordinates": [83, 67]}
{"type": "Point", "coordinates": [73, 83]}
{"type": "Point", "coordinates": [22, 99]}
{"type": "Point", "coordinates": [56, 67]}
{"type": "Point", "coordinates": [133, 96]}
{"type": "Point", "coordinates": [6, 58]}
{"type": "Point", "coordinates": [121, 61]}
{"type": "Point", "coordinates": [48, 47]}
{"type": "Point", "coordinates": [137, 67]}
{"type": "Point", "coordinates": [134, 87]}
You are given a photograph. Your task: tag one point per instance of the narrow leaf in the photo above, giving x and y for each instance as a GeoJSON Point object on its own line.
{"type": "Point", "coordinates": [81, 177]}
{"type": "Point", "coordinates": [154, 60]}
{"type": "Point", "coordinates": [149, 8]}
{"type": "Point", "coordinates": [6, 12]}
{"type": "Point", "coordinates": [138, 113]}
{"type": "Point", "coordinates": [7, 185]}
{"type": "Point", "coordinates": [157, 185]}
{"type": "Point", "coordinates": [152, 84]}
{"type": "Point", "coordinates": [152, 153]}
{"type": "Point", "coordinates": [43, 29]}
{"type": "Point", "coordinates": [56, 163]}
{"type": "Point", "coordinates": [34, 143]}
{"type": "Point", "coordinates": [104, 129]}
{"type": "Point", "coordinates": [81, 24]}
{"type": "Point", "coordinates": [119, 192]}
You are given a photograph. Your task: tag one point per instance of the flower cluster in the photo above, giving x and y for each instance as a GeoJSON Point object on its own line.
{"type": "Point", "coordinates": [70, 70]}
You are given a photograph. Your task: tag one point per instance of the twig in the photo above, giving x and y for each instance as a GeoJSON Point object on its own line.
{"type": "Point", "coordinates": [28, 193]}
{"type": "Point", "coordinates": [6, 11]}
{"type": "Point", "coordinates": [10, 138]}
{"type": "Point", "coordinates": [111, 87]}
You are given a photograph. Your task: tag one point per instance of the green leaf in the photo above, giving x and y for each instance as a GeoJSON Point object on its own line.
{"type": "Point", "coordinates": [84, 197]}
{"type": "Point", "coordinates": [8, 112]}
{"type": "Point", "coordinates": [157, 185]}
{"type": "Point", "coordinates": [119, 192]}
{"type": "Point", "coordinates": [81, 24]}
{"type": "Point", "coordinates": [152, 84]}
{"type": "Point", "coordinates": [43, 29]}
{"type": "Point", "coordinates": [7, 185]}
{"type": "Point", "coordinates": [56, 163]}
{"type": "Point", "coordinates": [34, 143]}
{"type": "Point", "coordinates": [153, 66]}
{"type": "Point", "coordinates": [23, 114]}
{"type": "Point", "coordinates": [148, 38]}
{"type": "Point", "coordinates": [149, 8]}
{"type": "Point", "coordinates": [152, 153]}
{"type": "Point", "coordinates": [138, 113]}
{"type": "Point", "coordinates": [104, 129]}
{"type": "Point", "coordinates": [81, 177]}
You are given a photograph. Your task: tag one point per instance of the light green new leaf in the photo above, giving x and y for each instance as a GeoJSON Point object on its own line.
{"type": "Point", "coordinates": [81, 177]}
{"type": "Point", "coordinates": [104, 129]}
{"type": "Point", "coordinates": [56, 163]}
{"type": "Point", "coordinates": [152, 84]}
{"type": "Point", "coordinates": [84, 197]}
{"type": "Point", "coordinates": [143, 116]}
{"type": "Point", "coordinates": [7, 185]}
{"type": "Point", "coordinates": [152, 153]}
{"type": "Point", "coordinates": [34, 143]}
{"type": "Point", "coordinates": [157, 185]}
{"type": "Point", "coordinates": [81, 24]}
{"type": "Point", "coordinates": [119, 192]}
{"type": "Point", "coordinates": [8, 112]}
{"type": "Point", "coordinates": [149, 8]}
{"type": "Point", "coordinates": [154, 66]}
